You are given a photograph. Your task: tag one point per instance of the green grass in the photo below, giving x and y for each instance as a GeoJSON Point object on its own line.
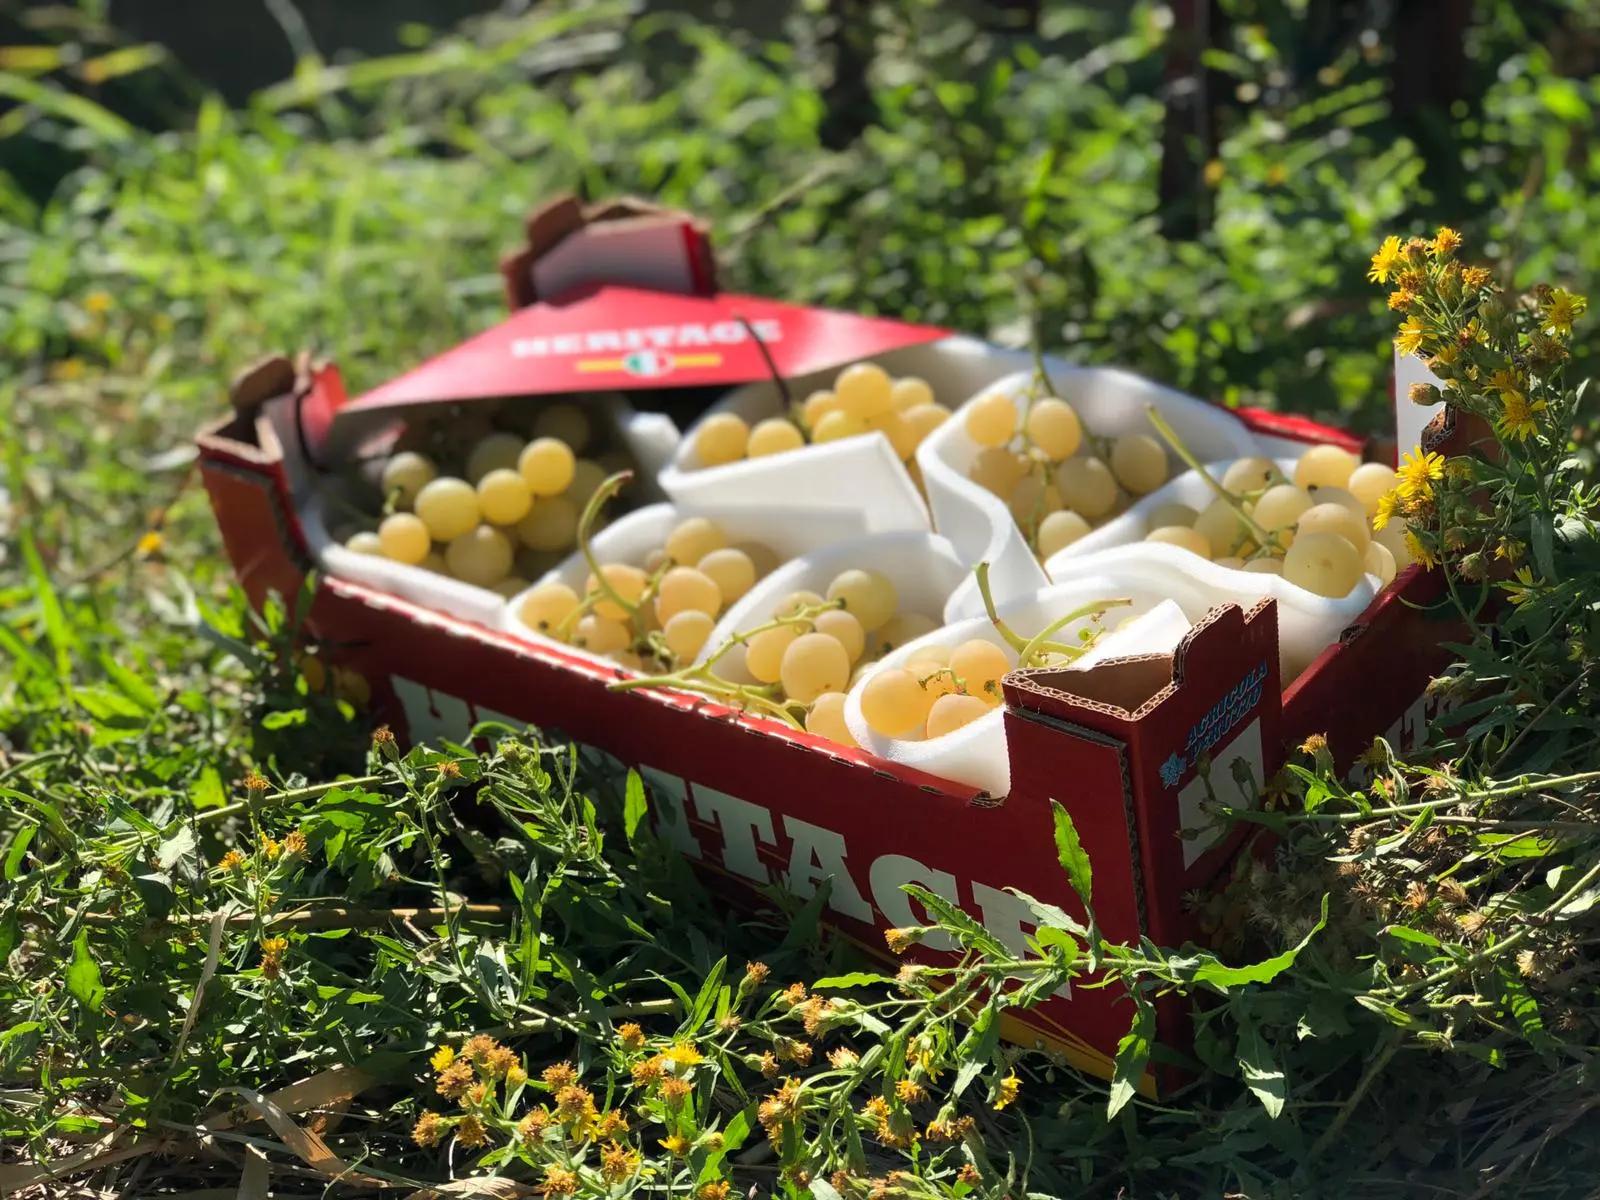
{"type": "Point", "coordinates": [1002, 184]}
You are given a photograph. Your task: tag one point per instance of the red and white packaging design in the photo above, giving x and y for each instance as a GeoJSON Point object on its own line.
{"type": "Point", "coordinates": [1129, 747]}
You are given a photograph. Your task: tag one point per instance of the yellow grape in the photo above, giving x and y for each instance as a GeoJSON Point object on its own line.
{"type": "Point", "coordinates": [998, 470]}
{"type": "Point", "coordinates": [923, 419]}
{"type": "Point", "coordinates": [843, 628]}
{"type": "Point", "coordinates": [1139, 463]}
{"type": "Point", "coordinates": [496, 452]}
{"type": "Point", "coordinates": [566, 423]}
{"type": "Point", "coordinates": [685, 589]}
{"type": "Point", "coordinates": [812, 664]}
{"type": "Point", "coordinates": [774, 436]}
{"type": "Point", "coordinates": [1059, 530]}
{"type": "Point", "coordinates": [863, 389]}
{"type": "Point", "coordinates": [1034, 498]}
{"type": "Point", "coordinates": [548, 466]}
{"type": "Point", "coordinates": [894, 703]}
{"type": "Point", "coordinates": [547, 605]}
{"type": "Point", "coordinates": [481, 556]}
{"type": "Point", "coordinates": [1251, 475]}
{"type": "Point", "coordinates": [1369, 483]}
{"type": "Point", "coordinates": [587, 476]}
{"type": "Point", "coordinates": [1324, 563]}
{"type": "Point", "coordinates": [1378, 561]}
{"type": "Point", "coordinates": [1170, 513]}
{"type": "Point", "coordinates": [686, 633]}
{"type": "Point", "coordinates": [870, 596]}
{"type": "Point", "coordinates": [1325, 466]}
{"type": "Point", "coordinates": [503, 497]}
{"type": "Point", "coordinates": [902, 437]}
{"type": "Point", "coordinates": [1264, 566]}
{"type": "Point", "coordinates": [901, 630]}
{"type": "Point", "coordinates": [1182, 535]}
{"type": "Point", "coordinates": [404, 538]}
{"type": "Point", "coordinates": [1393, 536]}
{"type": "Point", "coordinates": [365, 542]}
{"type": "Point", "coordinates": [626, 580]}
{"type": "Point", "coordinates": [693, 539]}
{"type": "Point", "coordinates": [1280, 506]}
{"type": "Point", "coordinates": [933, 677]}
{"type": "Point", "coordinates": [763, 653]}
{"type": "Point", "coordinates": [910, 392]}
{"type": "Point", "coordinates": [825, 718]}
{"type": "Point", "coordinates": [448, 507]}
{"type": "Point", "coordinates": [731, 570]}
{"type": "Point", "coordinates": [435, 562]}
{"type": "Point", "coordinates": [1053, 426]}
{"type": "Point", "coordinates": [795, 601]}
{"type": "Point", "coordinates": [979, 665]}
{"type": "Point", "coordinates": [721, 438]}
{"type": "Point", "coordinates": [1087, 486]}
{"type": "Point", "coordinates": [949, 713]}
{"type": "Point", "coordinates": [816, 406]}
{"type": "Point", "coordinates": [552, 524]}
{"type": "Point", "coordinates": [1223, 527]}
{"type": "Point", "coordinates": [1337, 519]}
{"type": "Point", "coordinates": [991, 419]}
{"type": "Point", "coordinates": [837, 424]}
{"type": "Point", "coordinates": [600, 635]}
{"type": "Point", "coordinates": [406, 474]}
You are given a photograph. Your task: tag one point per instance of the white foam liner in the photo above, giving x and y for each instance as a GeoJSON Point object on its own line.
{"type": "Point", "coordinates": [1109, 403]}
{"type": "Point", "coordinates": [859, 472]}
{"type": "Point", "coordinates": [788, 533]}
{"type": "Point", "coordinates": [976, 754]}
{"type": "Point", "coordinates": [649, 438]}
{"type": "Point", "coordinates": [922, 567]}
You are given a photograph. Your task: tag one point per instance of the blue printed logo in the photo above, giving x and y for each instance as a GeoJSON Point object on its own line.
{"type": "Point", "coordinates": [1214, 726]}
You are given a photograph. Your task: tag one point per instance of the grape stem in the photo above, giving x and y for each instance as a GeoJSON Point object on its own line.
{"type": "Point", "coordinates": [591, 513]}
{"type": "Point", "coordinates": [1029, 649]}
{"type": "Point", "coordinates": [1170, 436]}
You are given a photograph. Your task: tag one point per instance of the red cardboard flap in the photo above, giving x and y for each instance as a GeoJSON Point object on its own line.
{"type": "Point", "coordinates": [612, 337]}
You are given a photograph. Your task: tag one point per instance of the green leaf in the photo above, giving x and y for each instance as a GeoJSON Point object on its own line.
{"type": "Point", "coordinates": [977, 1048]}
{"type": "Point", "coordinates": [823, 1190]}
{"type": "Point", "coordinates": [1070, 851]}
{"type": "Point", "coordinates": [957, 922]}
{"type": "Point", "coordinates": [1049, 915]}
{"type": "Point", "coordinates": [1543, 539]}
{"type": "Point", "coordinates": [1261, 1073]}
{"type": "Point", "coordinates": [10, 935]}
{"type": "Point", "coordinates": [207, 790]}
{"type": "Point", "coordinates": [803, 929]}
{"type": "Point", "coordinates": [83, 974]}
{"type": "Point", "coordinates": [55, 620]}
{"type": "Point", "coordinates": [19, 847]}
{"type": "Point", "coordinates": [634, 806]}
{"type": "Point", "coordinates": [1214, 974]}
{"type": "Point", "coordinates": [1405, 933]}
{"type": "Point", "coordinates": [854, 979]}
{"type": "Point", "coordinates": [707, 999]}
{"type": "Point", "coordinates": [1133, 1053]}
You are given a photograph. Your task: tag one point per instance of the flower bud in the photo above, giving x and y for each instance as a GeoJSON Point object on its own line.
{"type": "Point", "coordinates": [1423, 393]}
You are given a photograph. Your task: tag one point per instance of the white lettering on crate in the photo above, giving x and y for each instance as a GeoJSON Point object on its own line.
{"type": "Point", "coordinates": [815, 851]}
{"type": "Point", "coordinates": [646, 337]}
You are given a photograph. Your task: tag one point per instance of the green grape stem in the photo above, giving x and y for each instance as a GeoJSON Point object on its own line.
{"type": "Point", "coordinates": [1170, 436]}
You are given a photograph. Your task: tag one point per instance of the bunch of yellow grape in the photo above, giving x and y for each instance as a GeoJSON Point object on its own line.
{"type": "Point", "coordinates": [941, 689]}
{"type": "Point", "coordinates": [816, 645]}
{"type": "Point", "coordinates": [1314, 530]}
{"type": "Point", "coordinates": [662, 608]}
{"type": "Point", "coordinates": [515, 497]}
{"type": "Point", "coordinates": [863, 398]}
{"type": "Point", "coordinates": [1030, 458]}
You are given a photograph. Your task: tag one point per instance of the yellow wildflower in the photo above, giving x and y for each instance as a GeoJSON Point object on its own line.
{"type": "Point", "coordinates": [478, 1047]}
{"type": "Point", "coordinates": [610, 1124]}
{"type": "Point", "coordinates": [717, 1190]}
{"type": "Point", "coordinates": [232, 861]}
{"type": "Point", "coordinates": [1418, 472]}
{"type": "Point", "coordinates": [442, 1058]}
{"type": "Point", "coordinates": [558, 1181]}
{"type": "Point", "coordinates": [498, 1062]}
{"type": "Point", "coordinates": [1007, 1092]}
{"type": "Point", "coordinates": [1507, 383]}
{"type": "Point", "coordinates": [454, 1080]}
{"type": "Point", "coordinates": [910, 1091]}
{"type": "Point", "coordinates": [559, 1075]}
{"type": "Point", "coordinates": [1214, 173]}
{"type": "Point", "coordinates": [969, 1175]}
{"type": "Point", "coordinates": [532, 1126]}
{"type": "Point", "coordinates": [842, 1058]}
{"type": "Point", "coordinates": [1510, 549]}
{"type": "Point", "coordinates": [630, 1036]}
{"type": "Point", "coordinates": [1409, 339]}
{"type": "Point", "coordinates": [675, 1091]}
{"type": "Point", "coordinates": [1474, 278]}
{"type": "Point", "coordinates": [676, 1145]}
{"type": "Point", "coordinates": [270, 850]}
{"type": "Point", "coordinates": [272, 952]}
{"type": "Point", "coordinates": [97, 303]}
{"type": "Point", "coordinates": [471, 1133]}
{"type": "Point", "coordinates": [900, 940]}
{"type": "Point", "coordinates": [769, 1065]}
{"type": "Point", "coordinates": [683, 1054]}
{"type": "Point", "coordinates": [1516, 417]}
{"type": "Point", "coordinates": [428, 1130]}
{"type": "Point", "coordinates": [1561, 309]}
{"type": "Point", "coordinates": [1444, 356]}
{"type": "Point", "coordinates": [1446, 242]}
{"type": "Point", "coordinates": [294, 842]}
{"type": "Point", "coordinates": [1419, 551]}
{"type": "Point", "coordinates": [150, 543]}
{"type": "Point", "coordinates": [574, 1104]}
{"type": "Point", "coordinates": [1314, 744]}
{"type": "Point", "coordinates": [1402, 300]}
{"type": "Point", "coordinates": [1385, 510]}
{"type": "Point", "coordinates": [1525, 592]}
{"type": "Point", "coordinates": [1385, 260]}
{"type": "Point", "coordinates": [617, 1162]}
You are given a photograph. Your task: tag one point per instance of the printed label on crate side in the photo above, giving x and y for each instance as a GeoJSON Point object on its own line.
{"type": "Point", "coordinates": [1210, 729]}
{"type": "Point", "coordinates": [647, 338]}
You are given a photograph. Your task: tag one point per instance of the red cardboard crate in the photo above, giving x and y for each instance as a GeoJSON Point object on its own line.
{"type": "Point", "coordinates": [1124, 747]}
